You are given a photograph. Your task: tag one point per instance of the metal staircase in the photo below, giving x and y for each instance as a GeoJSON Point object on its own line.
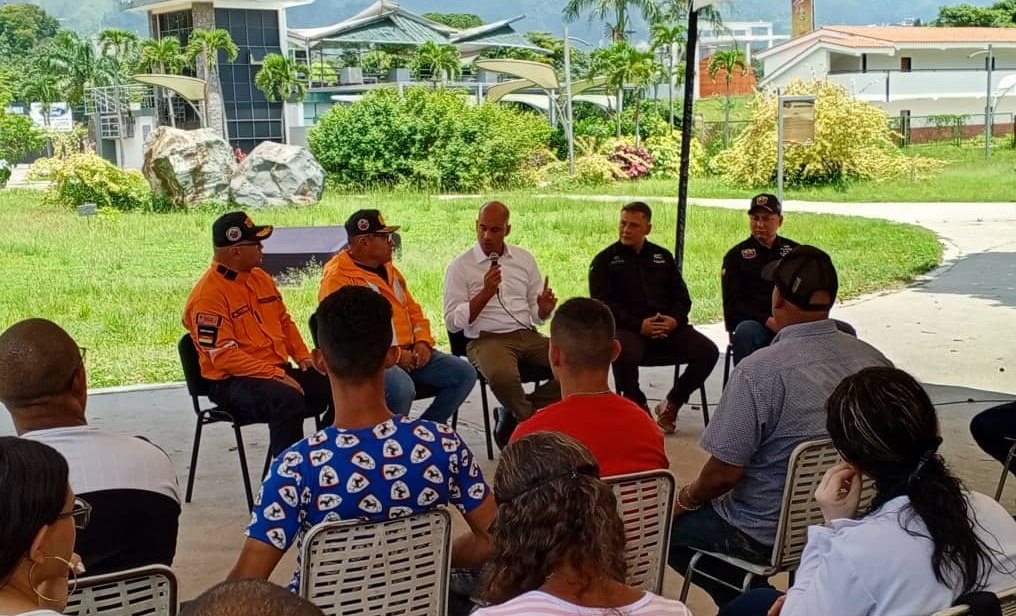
{"type": "Point", "coordinates": [114, 106]}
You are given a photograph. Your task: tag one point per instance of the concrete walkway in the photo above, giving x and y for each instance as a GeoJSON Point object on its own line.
{"type": "Point", "coordinates": [953, 329]}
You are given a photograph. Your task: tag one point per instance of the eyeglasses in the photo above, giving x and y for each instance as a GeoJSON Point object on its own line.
{"type": "Point", "coordinates": [81, 512]}
{"type": "Point", "coordinates": [83, 351]}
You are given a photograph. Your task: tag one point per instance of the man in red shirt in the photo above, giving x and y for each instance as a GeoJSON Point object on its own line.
{"type": "Point", "coordinates": [621, 435]}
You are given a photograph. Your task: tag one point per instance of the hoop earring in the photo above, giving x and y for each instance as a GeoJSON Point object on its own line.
{"type": "Point", "coordinates": [70, 570]}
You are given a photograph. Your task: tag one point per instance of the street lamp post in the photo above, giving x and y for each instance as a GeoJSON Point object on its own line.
{"type": "Point", "coordinates": [987, 100]}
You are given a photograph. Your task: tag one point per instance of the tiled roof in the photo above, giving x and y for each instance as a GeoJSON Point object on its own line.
{"type": "Point", "coordinates": [926, 34]}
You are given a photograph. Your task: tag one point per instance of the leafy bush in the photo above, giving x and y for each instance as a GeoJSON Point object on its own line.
{"type": "Point", "coordinates": [89, 178]}
{"type": "Point", "coordinates": [590, 170]}
{"type": "Point", "coordinates": [635, 162]}
{"type": "Point", "coordinates": [666, 151]}
{"type": "Point", "coordinates": [18, 136]}
{"type": "Point", "coordinates": [853, 141]}
{"type": "Point", "coordinates": [428, 137]}
{"type": "Point", "coordinates": [653, 121]}
{"type": "Point", "coordinates": [5, 172]}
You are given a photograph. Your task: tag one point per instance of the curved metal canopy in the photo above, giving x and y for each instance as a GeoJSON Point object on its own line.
{"type": "Point", "coordinates": [542, 75]}
{"type": "Point", "coordinates": [191, 88]}
{"type": "Point", "coordinates": [496, 93]}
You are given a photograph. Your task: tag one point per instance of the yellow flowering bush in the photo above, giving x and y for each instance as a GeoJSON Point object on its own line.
{"type": "Point", "coordinates": [89, 178]}
{"type": "Point", "coordinates": [853, 141]}
{"type": "Point", "coordinates": [666, 151]}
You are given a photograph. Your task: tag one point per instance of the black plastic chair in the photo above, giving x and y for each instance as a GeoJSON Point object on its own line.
{"type": "Point", "coordinates": [656, 360]}
{"type": "Point", "coordinates": [198, 386]}
{"type": "Point", "coordinates": [528, 373]}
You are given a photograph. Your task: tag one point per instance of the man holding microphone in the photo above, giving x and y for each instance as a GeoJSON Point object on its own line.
{"type": "Point", "coordinates": [494, 292]}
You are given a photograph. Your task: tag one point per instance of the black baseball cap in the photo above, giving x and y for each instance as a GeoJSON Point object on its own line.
{"type": "Point", "coordinates": [765, 201]}
{"type": "Point", "coordinates": [236, 227]}
{"type": "Point", "coordinates": [805, 270]}
{"type": "Point", "coordinates": [366, 222]}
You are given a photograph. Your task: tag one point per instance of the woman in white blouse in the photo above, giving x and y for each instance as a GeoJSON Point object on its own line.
{"type": "Point", "coordinates": [38, 518]}
{"type": "Point", "coordinates": [924, 541]}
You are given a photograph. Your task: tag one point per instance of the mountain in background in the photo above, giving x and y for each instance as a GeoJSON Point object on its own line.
{"type": "Point", "coordinates": [89, 16]}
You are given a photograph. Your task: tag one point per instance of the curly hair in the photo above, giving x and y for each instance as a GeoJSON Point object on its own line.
{"type": "Point", "coordinates": [552, 509]}
{"type": "Point", "coordinates": [882, 421]}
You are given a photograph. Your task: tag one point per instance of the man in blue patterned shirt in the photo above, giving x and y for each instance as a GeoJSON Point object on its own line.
{"type": "Point", "coordinates": [369, 465]}
{"type": "Point", "coordinates": [774, 401]}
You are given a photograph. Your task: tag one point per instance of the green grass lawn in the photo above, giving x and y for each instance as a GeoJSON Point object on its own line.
{"type": "Point", "coordinates": [118, 282]}
{"type": "Point", "coordinates": [967, 177]}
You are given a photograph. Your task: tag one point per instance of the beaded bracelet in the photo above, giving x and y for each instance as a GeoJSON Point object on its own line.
{"type": "Point", "coordinates": [682, 505]}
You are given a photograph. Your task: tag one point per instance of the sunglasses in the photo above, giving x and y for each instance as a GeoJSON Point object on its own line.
{"type": "Point", "coordinates": [81, 512]}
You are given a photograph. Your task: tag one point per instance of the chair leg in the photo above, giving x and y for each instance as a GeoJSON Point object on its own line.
{"type": "Point", "coordinates": [686, 585]}
{"type": "Point", "coordinates": [1005, 471]}
{"type": "Point", "coordinates": [727, 359]}
{"type": "Point", "coordinates": [193, 460]}
{"type": "Point", "coordinates": [747, 582]}
{"type": "Point", "coordinates": [705, 404]}
{"type": "Point", "coordinates": [486, 418]}
{"type": "Point", "coordinates": [455, 420]}
{"type": "Point", "coordinates": [268, 462]}
{"type": "Point", "coordinates": [243, 466]}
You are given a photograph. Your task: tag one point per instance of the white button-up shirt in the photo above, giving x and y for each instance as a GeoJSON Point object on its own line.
{"type": "Point", "coordinates": [514, 307]}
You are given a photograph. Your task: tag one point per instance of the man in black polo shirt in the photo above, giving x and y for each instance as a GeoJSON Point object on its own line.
{"type": "Point", "coordinates": [640, 283]}
{"type": "Point", "coordinates": [747, 298]}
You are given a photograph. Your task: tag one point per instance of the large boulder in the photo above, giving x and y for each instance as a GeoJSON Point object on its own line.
{"type": "Point", "coordinates": [277, 174]}
{"type": "Point", "coordinates": [188, 167]}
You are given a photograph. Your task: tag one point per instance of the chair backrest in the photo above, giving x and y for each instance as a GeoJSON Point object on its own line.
{"type": "Point", "coordinates": [398, 566]}
{"type": "Point", "coordinates": [646, 502]}
{"type": "Point", "coordinates": [1007, 599]}
{"type": "Point", "coordinates": [799, 510]}
{"type": "Point", "coordinates": [196, 384]}
{"type": "Point", "coordinates": [458, 341]}
{"type": "Point", "coordinates": [144, 591]}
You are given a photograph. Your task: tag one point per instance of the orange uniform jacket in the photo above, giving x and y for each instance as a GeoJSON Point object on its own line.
{"type": "Point", "coordinates": [240, 325]}
{"type": "Point", "coordinates": [409, 325]}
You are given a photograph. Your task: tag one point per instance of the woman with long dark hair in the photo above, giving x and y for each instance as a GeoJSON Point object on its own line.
{"type": "Point", "coordinates": [558, 539]}
{"type": "Point", "coordinates": [38, 517]}
{"type": "Point", "coordinates": [923, 542]}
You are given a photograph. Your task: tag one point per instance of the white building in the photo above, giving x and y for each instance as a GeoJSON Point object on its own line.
{"type": "Point", "coordinates": [907, 71]}
{"type": "Point", "coordinates": [748, 36]}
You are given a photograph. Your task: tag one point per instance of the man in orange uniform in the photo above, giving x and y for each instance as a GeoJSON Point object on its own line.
{"type": "Point", "coordinates": [245, 338]}
{"type": "Point", "coordinates": [367, 262]}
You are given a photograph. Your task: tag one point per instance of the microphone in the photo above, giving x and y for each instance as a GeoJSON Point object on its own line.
{"type": "Point", "coordinates": [493, 259]}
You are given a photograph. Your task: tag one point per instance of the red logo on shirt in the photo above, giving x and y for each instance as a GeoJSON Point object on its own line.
{"type": "Point", "coordinates": [748, 253]}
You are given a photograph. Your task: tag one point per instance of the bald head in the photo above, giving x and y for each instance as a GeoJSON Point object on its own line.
{"type": "Point", "coordinates": [249, 598]}
{"type": "Point", "coordinates": [38, 361]}
{"type": "Point", "coordinates": [492, 226]}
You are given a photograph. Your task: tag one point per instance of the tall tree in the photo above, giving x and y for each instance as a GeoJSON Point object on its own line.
{"type": "Point", "coordinates": [669, 36]}
{"type": "Point", "coordinates": [967, 15]}
{"type": "Point", "coordinates": [119, 53]}
{"type": "Point", "coordinates": [728, 61]}
{"type": "Point", "coordinates": [75, 64]}
{"type": "Point", "coordinates": [616, 13]}
{"type": "Point", "coordinates": [202, 52]}
{"type": "Point", "coordinates": [164, 55]}
{"type": "Point", "coordinates": [278, 79]}
{"type": "Point", "coordinates": [624, 65]}
{"type": "Point", "coordinates": [23, 27]}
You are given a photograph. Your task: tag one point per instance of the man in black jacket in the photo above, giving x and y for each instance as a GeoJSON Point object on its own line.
{"type": "Point", "coordinates": [640, 283]}
{"type": "Point", "coordinates": [747, 298]}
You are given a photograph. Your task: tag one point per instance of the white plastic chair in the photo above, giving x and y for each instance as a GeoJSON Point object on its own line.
{"type": "Point", "coordinates": [808, 463]}
{"type": "Point", "coordinates": [1007, 598]}
{"type": "Point", "coordinates": [143, 591]}
{"type": "Point", "coordinates": [392, 567]}
{"type": "Point", "coordinates": [646, 502]}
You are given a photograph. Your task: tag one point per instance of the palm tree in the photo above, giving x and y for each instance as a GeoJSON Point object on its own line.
{"type": "Point", "coordinates": [624, 65]}
{"type": "Point", "coordinates": [728, 61]}
{"type": "Point", "coordinates": [202, 52]}
{"type": "Point", "coordinates": [118, 48]}
{"type": "Point", "coordinates": [279, 79]}
{"type": "Point", "coordinates": [39, 86]}
{"type": "Point", "coordinates": [74, 63]}
{"type": "Point", "coordinates": [669, 36]}
{"type": "Point", "coordinates": [442, 60]}
{"type": "Point", "coordinates": [163, 55]}
{"type": "Point", "coordinates": [605, 10]}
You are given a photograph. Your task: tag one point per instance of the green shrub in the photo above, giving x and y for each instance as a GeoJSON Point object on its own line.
{"type": "Point", "coordinates": [89, 178]}
{"type": "Point", "coordinates": [428, 138]}
{"type": "Point", "coordinates": [590, 170]}
{"type": "Point", "coordinates": [853, 141]}
{"type": "Point", "coordinates": [666, 151]}
{"type": "Point", "coordinates": [18, 136]}
{"type": "Point", "coordinates": [5, 172]}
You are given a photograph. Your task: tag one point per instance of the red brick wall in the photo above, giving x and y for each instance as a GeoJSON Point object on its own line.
{"type": "Point", "coordinates": [708, 86]}
{"type": "Point", "coordinates": [926, 134]}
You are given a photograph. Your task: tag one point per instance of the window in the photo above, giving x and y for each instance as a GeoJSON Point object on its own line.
{"type": "Point", "coordinates": [905, 64]}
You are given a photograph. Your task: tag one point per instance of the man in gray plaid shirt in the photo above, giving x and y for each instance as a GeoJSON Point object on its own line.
{"type": "Point", "coordinates": [774, 401]}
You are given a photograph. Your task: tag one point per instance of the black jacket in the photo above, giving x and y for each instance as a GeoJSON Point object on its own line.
{"type": "Point", "coordinates": [746, 297]}
{"type": "Point", "coordinates": [637, 285]}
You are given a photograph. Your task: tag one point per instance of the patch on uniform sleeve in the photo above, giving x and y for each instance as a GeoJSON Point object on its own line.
{"type": "Point", "coordinates": [239, 312]}
{"type": "Point", "coordinates": [748, 253]}
{"type": "Point", "coordinates": [208, 328]}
